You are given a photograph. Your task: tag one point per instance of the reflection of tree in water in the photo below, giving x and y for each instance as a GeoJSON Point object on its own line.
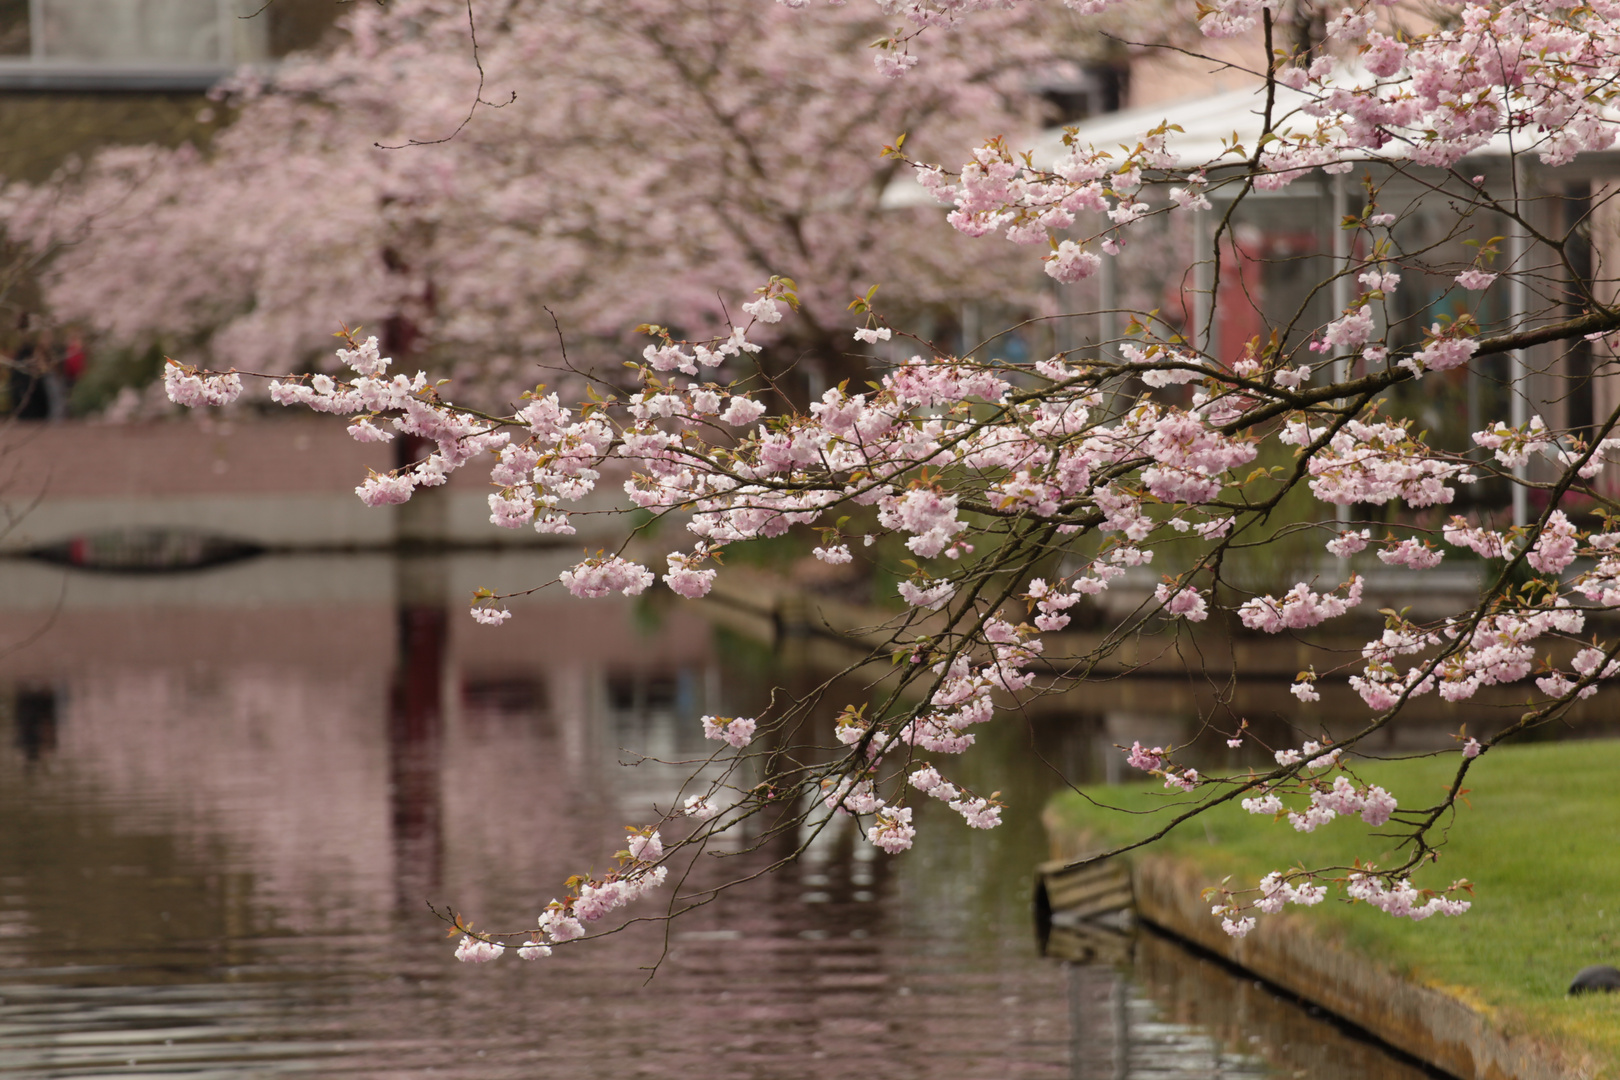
{"type": "Point", "coordinates": [280, 811]}
{"type": "Point", "coordinates": [415, 732]}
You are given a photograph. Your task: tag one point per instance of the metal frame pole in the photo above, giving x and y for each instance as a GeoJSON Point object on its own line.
{"type": "Point", "coordinates": [1342, 291]}
{"type": "Point", "coordinates": [1518, 314]}
{"type": "Point", "coordinates": [1108, 304]}
{"type": "Point", "coordinates": [1203, 335]}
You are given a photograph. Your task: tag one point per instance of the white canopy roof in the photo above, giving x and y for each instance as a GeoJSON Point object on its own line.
{"type": "Point", "coordinates": [1210, 124]}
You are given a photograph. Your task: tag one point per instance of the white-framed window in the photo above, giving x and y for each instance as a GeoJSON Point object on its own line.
{"type": "Point", "coordinates": [127, 44]}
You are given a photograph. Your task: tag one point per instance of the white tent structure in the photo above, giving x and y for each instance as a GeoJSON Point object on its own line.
{"type": "Point", "coordinates": [1205, 129]}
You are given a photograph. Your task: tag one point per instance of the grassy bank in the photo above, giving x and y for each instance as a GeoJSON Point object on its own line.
{"type": "Point", "coordinates": [1541, 842]}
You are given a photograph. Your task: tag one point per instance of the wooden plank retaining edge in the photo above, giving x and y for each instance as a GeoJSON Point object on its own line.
{"type": "Point", "coordinates": [1422, 1021]}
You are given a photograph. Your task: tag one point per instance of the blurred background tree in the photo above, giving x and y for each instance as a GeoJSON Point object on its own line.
{"type": "Point", "coordinates": [628, 162]}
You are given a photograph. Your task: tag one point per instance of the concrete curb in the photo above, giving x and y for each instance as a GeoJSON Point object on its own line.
{"type": "Point", "coordinates": [1424, 1022]}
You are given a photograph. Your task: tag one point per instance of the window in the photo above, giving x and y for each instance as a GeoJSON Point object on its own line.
{"type": "Point", "coordinates": [158, 45]}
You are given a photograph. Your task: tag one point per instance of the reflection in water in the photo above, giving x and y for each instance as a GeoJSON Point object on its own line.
{"type": "Point", "coordinates": [415, 731]}
{"type": "Point", "coordinates": [1182, 1012]}
{"type": "Point", "coordinates": [1118, 1032]}
{"type": "Point", "coordinates": [34, 713]}
{"type": "Point", "coordinates": [217, 836]}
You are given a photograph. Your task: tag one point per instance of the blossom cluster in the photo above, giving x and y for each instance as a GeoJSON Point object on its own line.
{"type": "Point", "coordinates": [1047, 451]}
{"type": "Point", "coordinates": [1373, 462]}
{"type": "Point", "coordinates": [1343, 798]}
{"type": "Point", "coordinates": [1402, 900]}
{"type": "Point", "coordinates": [640, 872]}
{"type": "Point", "coordinates": [736, 731]}
{"type": "Point", "coordinates": [1053, 457]}
{"type": "Point", "coordinates": [185, 387]}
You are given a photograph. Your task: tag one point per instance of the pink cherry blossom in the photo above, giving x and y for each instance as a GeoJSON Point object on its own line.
{"type": "Point", "coordinates": [1555, 548]}
{"type": "Point", "coordinates": [1414, 553]}
{"type": "Point", "coordinates": [699, 808]}
{"type": "Point", "coordinates": [646, 847]}
{"type": "Point", "coordinates": [893, 831]}
{"type": "Point", "coordinates": [598, 577]}
{"type": "Point", "coordinates": [1349, 542]}
{"type": "Point", "coordinates": [685, 577]}
{"type": "Point", "coordinates": [1146, 760]}
{"type": "Point", "coordinates": [735, 731]}
{"type": "Point", "coordinates": [473, 950]}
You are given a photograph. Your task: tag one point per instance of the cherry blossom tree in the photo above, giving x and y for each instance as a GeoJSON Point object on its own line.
{"type": "Point", "coordinates": [622, 163]}
{"type": "Point", "coordinates": [1022, 493]}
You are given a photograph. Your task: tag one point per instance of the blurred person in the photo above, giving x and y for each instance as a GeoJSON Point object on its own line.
{"type": "Point", "coordinates": [35, 379]}
{"type": "Point", "coordinates": [74, 359]}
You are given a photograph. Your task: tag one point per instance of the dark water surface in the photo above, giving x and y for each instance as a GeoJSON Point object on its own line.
{"type": "Point", "coordinates": [227, 796]}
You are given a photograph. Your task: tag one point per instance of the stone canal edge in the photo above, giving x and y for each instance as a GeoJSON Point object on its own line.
{"type": "Point", "coordinates": [1425, 1022]}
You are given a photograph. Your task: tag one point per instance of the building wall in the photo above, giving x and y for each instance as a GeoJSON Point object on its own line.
{"type": "Point", "coordinates": [55, 107]}
{"type": "Point", "coordinates": [121, 72]}
{"type": "Point", "coordinates": [43, 130]}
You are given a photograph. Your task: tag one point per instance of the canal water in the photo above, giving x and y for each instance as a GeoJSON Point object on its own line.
{"type": "Point", "coordinates": [227, 798]}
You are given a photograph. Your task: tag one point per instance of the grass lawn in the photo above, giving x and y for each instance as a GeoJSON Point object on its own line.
{"type": "Point", "coordinates": [1541, 842]}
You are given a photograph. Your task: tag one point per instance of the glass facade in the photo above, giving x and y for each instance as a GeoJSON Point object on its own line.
{"type": "Point", "coordinates": [142, 44]}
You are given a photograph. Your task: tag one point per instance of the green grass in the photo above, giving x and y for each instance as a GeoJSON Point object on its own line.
{"type": "Point", "coordinates": [1540, 841]}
